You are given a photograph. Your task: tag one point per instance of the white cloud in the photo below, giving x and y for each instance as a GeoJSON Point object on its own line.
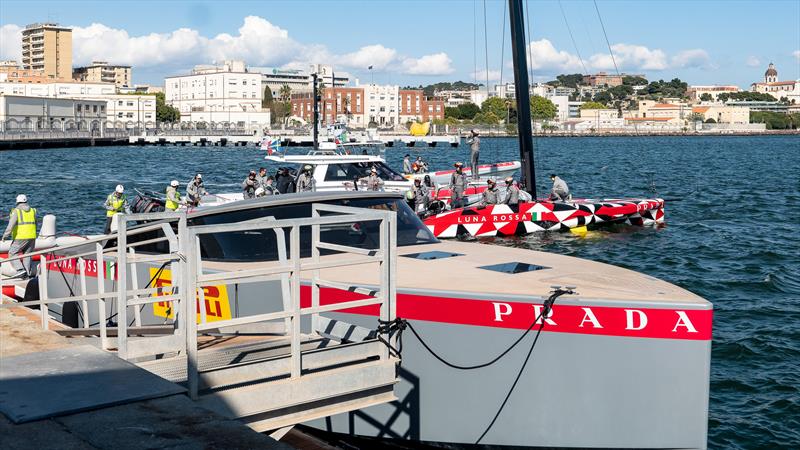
{"type": "Point", "coordinates": [11, 42]}
{"type": "Point", "coordinates": [796, 54]}
{"type": "Point", "coordinates": [544, 56]}
{"type": "Point", "coordinates": [494, 75]}
{"type": "Point", "coordinates": [377, 56]}
{"type": "Point", "coordinates": [435, 64]}
{"type": "Point", "coordinates": [696, 57]}
{"type": "Point", "coordinates": [628, 57]}
{"type": "Point", "coordinates": [752, 61]}
{"type": "Point", "coordinates": [258, 42]}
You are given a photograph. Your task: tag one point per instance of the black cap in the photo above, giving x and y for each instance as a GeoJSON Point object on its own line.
{"type": "Point", "coordinates": [552, 175]}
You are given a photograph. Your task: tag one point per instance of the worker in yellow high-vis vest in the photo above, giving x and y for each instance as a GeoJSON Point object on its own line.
{"type": "Point", "coordinates": [116, 202]}
{"type": "Point", "coordinates": [174, 200]}
{"type": "Point", "coordinates": [22, 228]}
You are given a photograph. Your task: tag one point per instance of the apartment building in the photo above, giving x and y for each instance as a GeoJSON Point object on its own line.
{"type": "Point", "coordinates": [27, 113]}
{"type": "Point", "coordinates": [415, 107]}
{"type": "Point", "coordinates": [218, 93]}
{"type": "Point", "coordinates": [341, 104]}
{"type": "Point", "coordinates": [298, 80]}
{"type": "Point", "coordinates": [381, 105]}
{"type": "Point", "coordinates": [48, 47]}
{"type": "Point", "coordinates": [102, 72]}
{"type": "Point", "coordinates": [695, 92]}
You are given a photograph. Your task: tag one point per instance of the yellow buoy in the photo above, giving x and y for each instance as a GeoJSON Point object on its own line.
{"type": "Point", "coordinates": [580, 231]}
{"type": "Point", "coordinates": [420, 129]}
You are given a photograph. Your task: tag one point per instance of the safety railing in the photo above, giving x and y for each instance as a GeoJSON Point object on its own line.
{"type": "Point", "coordinates": [290, 270]}
{"type": "Point", "coordinates": [118, 256]}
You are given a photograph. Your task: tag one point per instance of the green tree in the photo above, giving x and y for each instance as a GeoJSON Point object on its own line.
{"type": "Point", "coordinates": [468, 110]}
{"type": "Point", "coordinates": [696, 117]}
{"type": "Point", "coordinates": [496, 106]}
{"type": "Point", "coordinates": [572, 80]}
{"type": "Point", "coordinates": [593, 105]}
{"type": "Point", "coordinates": [451, 111]}
{"type": "Point", "coordinates": [746, 96]}
{"type": "Point", "coordinates": [706, 97]}
{"type": "Point", "coordinates": [486, 118]}
{"type": "Point", "coordinates": [710, 120]}
{"type": "Point", "coordinates": [267, 100]}
{"type": "Point", "coordinates": [285, 93]}
{"type": "Point", "coordinates": [542, 108]}
{"type": "Point", "coordinates": [164, 112]}
{"type": "Point", "coordinates": [603, 97]}
{"type": "Point", "coordinates": [621, 91]}
{"type": "Point", "coordinates": [634, 81]}
{"type": "Point", "coordinates": [774, 121]}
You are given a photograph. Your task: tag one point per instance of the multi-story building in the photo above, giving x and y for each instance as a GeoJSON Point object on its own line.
{"type": "Point", "coordinates": [19, 112]}
{"type": "Point", "coordinates": [341, 104]}
{"type": "Point", "coordinates": [673, 113]}
{"type": "Point", "coordinates": [413, 106]}
{"type": "Point", "coordinates": [381, 105]}
{"type": "Point", "coordinates": [102, 72]}
{"type": "Point", "coordinates": [790, 90]}
{"type": "Point", "coordinates": [227, 93]}
{"type": "Point", "coordinates": [604, 79]}
{"type": "Point", "coordinates": [298, 80]}
{"type": "Point", "coordinates": [48, 47]}
{"type": "Point", "coordinates": [506, 90]}
{"type": "Point", "coordinates": [695, 92]}
{"type": "Point", "coordinates": [456, 97]}
{"type": "Point", "coordinates": [12, 72]}
{"type": "Point", "coordinates": [123, 111]}
{"type": "Point", "coordinates": [721, 113]}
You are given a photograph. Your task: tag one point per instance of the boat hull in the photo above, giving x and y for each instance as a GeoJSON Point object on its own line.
{"type": "Point", "coordinates": [544, 215]}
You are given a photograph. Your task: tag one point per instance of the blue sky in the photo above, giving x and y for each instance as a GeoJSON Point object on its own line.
{"type": "Point", "coordinates": [419, 42]}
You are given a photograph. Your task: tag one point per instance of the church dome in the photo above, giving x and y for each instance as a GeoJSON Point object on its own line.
{"type": "Point", "coordinates": [771, 72]}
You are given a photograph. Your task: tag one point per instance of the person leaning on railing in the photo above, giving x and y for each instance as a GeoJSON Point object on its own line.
{"type": "Point", "coordinates": [22, 228]}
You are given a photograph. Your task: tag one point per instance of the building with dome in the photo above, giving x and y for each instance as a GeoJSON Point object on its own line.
{"type": "Point", "coordinates": [778, 89]}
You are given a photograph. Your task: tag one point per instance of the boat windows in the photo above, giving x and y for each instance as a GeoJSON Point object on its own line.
{"type": "Point", "coordinates": [261, 245]}
{"type": "Point", "coordinates": [513, 267]}
{"type": "Point", "coordinates": [350, 171]}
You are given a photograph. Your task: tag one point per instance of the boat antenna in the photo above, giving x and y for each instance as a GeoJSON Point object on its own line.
{"type": "Point", "coordinates": [522, 89]}
{"type": "Point", "coordinates": [315, 96]}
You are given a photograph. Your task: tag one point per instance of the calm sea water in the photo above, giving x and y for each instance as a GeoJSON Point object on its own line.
{"type": "Point", "coordinates": [732, 236]}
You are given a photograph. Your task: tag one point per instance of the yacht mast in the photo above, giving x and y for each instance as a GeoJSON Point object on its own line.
{"type": "Point", "coordinates": [316, 98]}
{"type": "Point", "coordinates": [522, 90]}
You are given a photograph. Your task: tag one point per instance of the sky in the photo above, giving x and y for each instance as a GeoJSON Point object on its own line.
{"type": "Point", "coordinates": [421, 42]}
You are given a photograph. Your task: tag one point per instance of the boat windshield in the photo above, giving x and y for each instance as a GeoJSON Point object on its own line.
{"type": "Point", "coordinates": [261, 245]}
{"type": "Point", "coordinates": [350, 171]}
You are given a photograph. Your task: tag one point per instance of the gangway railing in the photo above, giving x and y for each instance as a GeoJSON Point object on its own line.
{"type": "Point", "coordinates": [294, 267]}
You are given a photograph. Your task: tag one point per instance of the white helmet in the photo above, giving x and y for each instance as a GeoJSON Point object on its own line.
{"type": "Point", "coordinates": [174, 183]}
{"type": "Point", "coordinates": [259, 191]}
{"type": "Point", "coordinates": [120, 189]}
{"type": "Point", "coordinates": [22, 198]}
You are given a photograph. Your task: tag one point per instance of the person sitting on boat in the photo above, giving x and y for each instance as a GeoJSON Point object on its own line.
{"type": "Point", "coordinates": [474, 152]}
{"type": "Point", "coordinates": [249, 185]}
{"type": "Point", "coordinates": [428, 182]}
{"type": "Point", "coordinates": [419, 165]}
{"type": "Point", "coordinates": [490, 195]}
{"type": "Point", "coordinates": [116, 202]}
{"type": "Point", "coordinates": [458, 184]}
{"type": "Point", "coordinates": [512, 192]}
{"type": "Point", "coordinates": [407, 164]}
{"type": "Point", "coordinates": [305, 181]}
{"type": "Point", "coordinates": [173, 196]}
{"type": "Point", "coordinates": [22, 228]}
{"type": "Point", "coordinates": [284, 181]}
{"type": "Point", "coordinates": [560, 191]}
{"type": "Point", "coordinates": [268, 187]}
{"type": "Point", "coordinates": [195, 190]}
{"type": "Point", "coordinates": [261, 177]}
{"type": "Point", "coordinates": [374, 182]}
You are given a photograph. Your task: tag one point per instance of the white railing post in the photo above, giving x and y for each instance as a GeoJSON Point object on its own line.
{"type": "Point", "coordinates": [391, 257]}
{"type": "Point", "coordinates": [122, 287]}
{"type": "Point", "coordinates": [189, 298]}
{"type": "Point", "coordinates": [294, 250]}
{"type": "Point", "coordinates": [315, 274]}
{"type": "Point", "coordinates": [84, 303]}
{"type": "Point", "coordinates": [178, 269]}
{"type": "Point", "coordinates": [43, 308]}
{"type": "Point", "coordinates": [201, 293]}
{"type": "Point", "coordinates": [385, 313]}
{"type": "Point", "coordinates": [101, 289]}
{"type": "Point", "coordinates": [137, 312]}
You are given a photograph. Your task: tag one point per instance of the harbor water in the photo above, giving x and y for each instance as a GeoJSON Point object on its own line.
{"type": "Point", "coordinates": [732, 212]}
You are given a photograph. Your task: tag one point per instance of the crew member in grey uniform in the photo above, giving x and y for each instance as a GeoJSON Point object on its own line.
{"type": "Point", "coordinates": [560, 191]}
{"type": "Point", "coordinates": [421, 193]}
{"type": "Point", "coordinates": [512, 193]}
{"type": "Point", "coordinates": [249, 185]}
{"type": "Point", "coordinates": [374, 182]}
{"type": "Point", "coordinates": [458, 184]}
{"type": "Point", "coordinates": [195, 190]}
{"type": "Point", "coordinates": [305, 181]}
{"type": "Point", "coordinates": [22, 228]}
{"type": "Point", "coordinates": [407, 164]}
{"type": "Point", "coordinates": [474, 152]}
{"type": "Point", "coordinates": [490, 194]}
{"type": "Point", "coordinates": [261, 178]}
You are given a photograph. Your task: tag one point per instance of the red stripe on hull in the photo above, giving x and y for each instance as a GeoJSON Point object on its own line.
{"type": "Point", "coordinates": [659, 323]}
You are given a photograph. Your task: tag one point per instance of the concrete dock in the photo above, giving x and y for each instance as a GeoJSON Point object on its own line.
{"type": "Point", "coordinates": [172, 421]}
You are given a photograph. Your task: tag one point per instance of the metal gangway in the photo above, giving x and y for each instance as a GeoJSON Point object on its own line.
{"type": "Point", "coordinates": [270, 381]}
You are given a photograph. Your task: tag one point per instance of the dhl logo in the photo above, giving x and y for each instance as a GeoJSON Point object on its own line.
{"type": "Point", "coordinates": [216, 299]}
